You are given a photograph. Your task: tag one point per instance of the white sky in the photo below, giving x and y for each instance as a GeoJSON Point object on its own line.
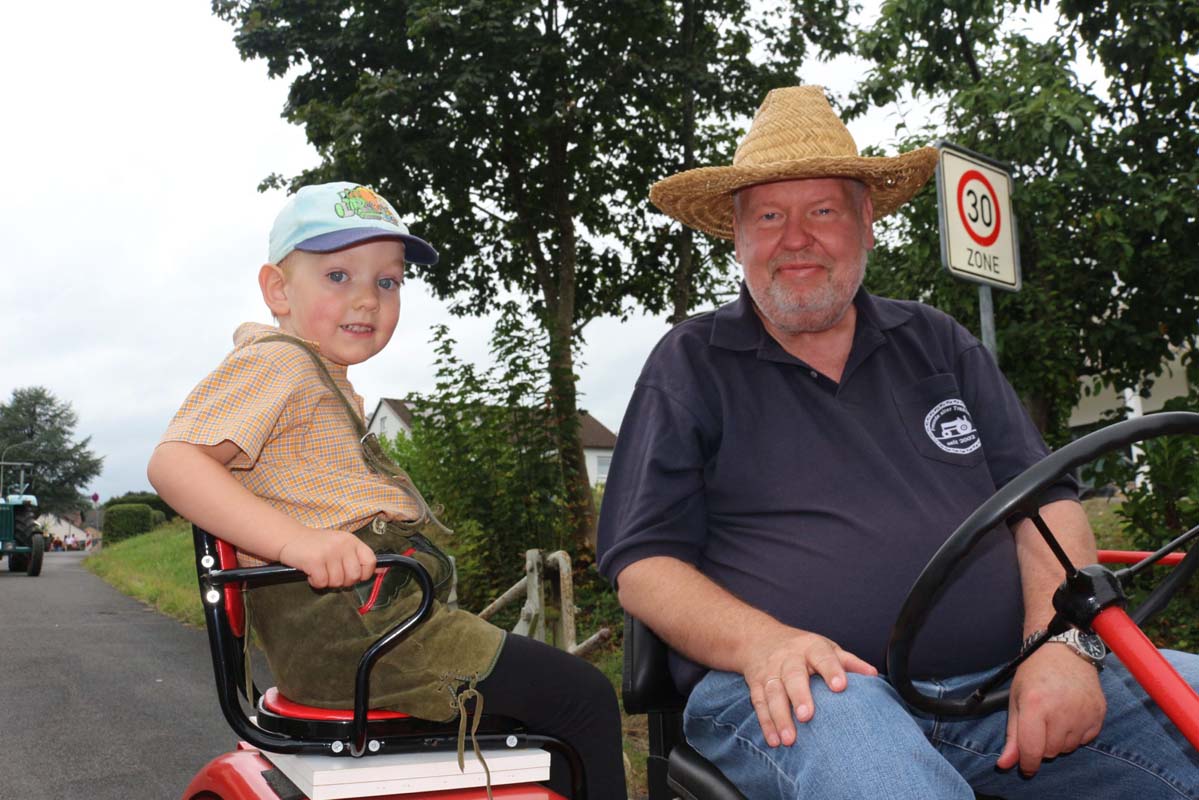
{"type": "Point", "coordinates": [134, 139]}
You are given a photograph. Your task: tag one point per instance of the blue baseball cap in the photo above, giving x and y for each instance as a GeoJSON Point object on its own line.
{"type": "Point", "coordinates": [333, 216]}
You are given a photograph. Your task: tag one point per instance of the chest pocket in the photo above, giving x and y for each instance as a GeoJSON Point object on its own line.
{"type": "Point", "coordinates": [938, 422]}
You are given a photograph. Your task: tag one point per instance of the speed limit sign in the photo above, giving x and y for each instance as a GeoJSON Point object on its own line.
{"type": "Point", "coordinates": [978, 231]}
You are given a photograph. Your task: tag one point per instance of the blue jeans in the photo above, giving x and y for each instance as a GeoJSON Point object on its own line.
{"type": "Point", "coordinates": [866, 742]}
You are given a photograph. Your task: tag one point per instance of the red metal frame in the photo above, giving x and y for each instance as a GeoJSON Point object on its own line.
{"type": "Point", "coordinates": [1141, 657]}
{"type": "Point", "coordinates": [1137, 556]}
{"type": "Point", "coordinates": [1159, 680]}
{"type": "Point", "coordinates": [238, 776]}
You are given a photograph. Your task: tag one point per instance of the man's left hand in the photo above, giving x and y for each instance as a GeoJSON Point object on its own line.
{"type": "Point", "coordinates": [1056, 706]}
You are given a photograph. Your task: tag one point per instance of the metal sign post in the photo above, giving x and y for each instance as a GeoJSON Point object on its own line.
{"type": "Point", "coordinates": [978, 228]}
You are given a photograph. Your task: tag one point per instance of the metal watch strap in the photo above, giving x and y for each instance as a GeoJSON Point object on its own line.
{"type": "Point", "coordinates": [1069, 638]}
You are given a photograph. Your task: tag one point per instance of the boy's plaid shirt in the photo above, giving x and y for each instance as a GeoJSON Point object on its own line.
{"type": "Point", "coordinates": [299, 452]}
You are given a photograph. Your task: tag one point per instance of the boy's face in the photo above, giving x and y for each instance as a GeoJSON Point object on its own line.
{"type": "Point", "coordinates": [348, 301]}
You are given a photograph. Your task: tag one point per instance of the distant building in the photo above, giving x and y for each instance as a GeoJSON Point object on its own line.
{"type": "Point", "coordinates": [1092, 407]}
{"type": "Point", "coordinates": [54, 525]}
{"type": "Point", "coordinates": [392, 416]}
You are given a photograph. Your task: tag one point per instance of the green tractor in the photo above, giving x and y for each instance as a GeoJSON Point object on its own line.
{"type": "Point", "coordinates": [20, 538]}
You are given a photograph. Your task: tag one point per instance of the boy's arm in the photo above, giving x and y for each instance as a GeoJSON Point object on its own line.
{"type": "Point", "coordinates": [194, 480]}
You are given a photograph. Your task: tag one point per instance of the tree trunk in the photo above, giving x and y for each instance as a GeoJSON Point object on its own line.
{"type": "Point", "coordinates": [680, 292]}
{"type": "Point", "coordinates": [1038, 408]}
{"type": "Point", "coordinates": [570, 443]}
{"type": "Point", "coordinates": [563, 394]}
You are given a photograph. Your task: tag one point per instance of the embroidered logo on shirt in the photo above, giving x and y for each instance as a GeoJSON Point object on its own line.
{"type": "Point", "coordinates": [364, 203]}
{"type": "Point", "coordinates": [950, 427]}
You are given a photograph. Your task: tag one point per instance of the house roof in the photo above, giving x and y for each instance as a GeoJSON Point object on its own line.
{"type": "Point", "coordinates": [593, 432]}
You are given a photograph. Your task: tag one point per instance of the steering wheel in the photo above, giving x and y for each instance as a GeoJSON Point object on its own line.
{"type": "Point", "coordinates": [1090, 595]}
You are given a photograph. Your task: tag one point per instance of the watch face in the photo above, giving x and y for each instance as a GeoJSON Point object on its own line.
{"type": "Point", "coordinates": [1092, 646]}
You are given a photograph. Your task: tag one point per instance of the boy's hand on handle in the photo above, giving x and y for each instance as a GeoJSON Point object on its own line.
{"type": "Point", "coordinates": [331, 559]}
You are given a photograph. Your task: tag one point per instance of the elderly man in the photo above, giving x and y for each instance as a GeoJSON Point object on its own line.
{"type": "Point", "coordinates": [787, 465]}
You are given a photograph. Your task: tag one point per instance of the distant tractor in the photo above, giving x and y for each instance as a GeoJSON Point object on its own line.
{"type": "Point", "coordinates": [20, 538]}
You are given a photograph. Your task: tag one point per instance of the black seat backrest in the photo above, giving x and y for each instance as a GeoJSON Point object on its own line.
{"type": "Point", "coordinates": [647, 687]}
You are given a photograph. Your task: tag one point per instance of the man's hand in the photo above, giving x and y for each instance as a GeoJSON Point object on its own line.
{"type": "Point", "coordinates": [1056, 706]}
{"type": "Point", "coordinates": [779, 677]}
{"type": "Point", "coordinates": [331, 559]}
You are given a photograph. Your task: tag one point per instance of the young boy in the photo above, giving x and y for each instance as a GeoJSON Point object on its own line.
{"type": "Point", "coordinates": [267, 452]}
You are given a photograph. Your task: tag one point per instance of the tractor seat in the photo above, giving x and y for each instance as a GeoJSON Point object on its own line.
{"type": "Point", "coordinates": [674, 769]}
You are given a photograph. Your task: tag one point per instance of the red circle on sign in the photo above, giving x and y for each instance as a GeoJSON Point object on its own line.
{"type": "Point", "coordinates": [975, 175]}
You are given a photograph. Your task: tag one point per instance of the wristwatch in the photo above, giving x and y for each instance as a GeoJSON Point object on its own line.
{"type": "Point", "coordinates": [1087, 645]}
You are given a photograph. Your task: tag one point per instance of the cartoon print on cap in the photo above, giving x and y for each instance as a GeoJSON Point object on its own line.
{"type": "Point", "coordinates": [363, 203]}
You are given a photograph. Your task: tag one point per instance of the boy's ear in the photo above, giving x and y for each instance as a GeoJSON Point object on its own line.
{"type": "Point", "coordinates": [274, 289]}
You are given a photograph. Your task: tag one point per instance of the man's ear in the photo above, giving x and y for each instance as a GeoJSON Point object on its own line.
{"type": "Point", "coordinates": [274, 289]}
{"type": "Point", "coordinates": [868, 218]}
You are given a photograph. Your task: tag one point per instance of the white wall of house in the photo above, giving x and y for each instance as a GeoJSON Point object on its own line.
{"type": "Point", "coordinates": [1091, 407]}
{"type": "Point", "coordinates": [59, 527]}
{"type": "Point", "coordinates": [598, 460]}
{"type": "Point", "coordinates": [386, 423]}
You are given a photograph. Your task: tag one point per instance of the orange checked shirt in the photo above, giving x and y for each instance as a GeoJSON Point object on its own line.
{"type": "Point", "coordinates": [299, 452]}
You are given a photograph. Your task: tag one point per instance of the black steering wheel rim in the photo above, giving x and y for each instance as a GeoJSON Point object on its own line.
{"type": "Point", "coordinates": [1020, 496]}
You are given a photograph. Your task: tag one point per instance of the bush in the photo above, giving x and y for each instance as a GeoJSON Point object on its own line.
{"type": "Point", "coordinates": [125, 520]}
{"type": "Point", "coordinates": [157, 517]}
{"type": "Point", "coordinates": [483, 448]}
{"type": "Point", "coordinates": [146, 498]}
{"type": "Point", "coordinates": [1159, 507]}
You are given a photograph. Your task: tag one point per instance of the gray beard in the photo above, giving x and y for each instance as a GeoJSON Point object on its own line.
{"type": "Point", "coordinates": [790, 316]}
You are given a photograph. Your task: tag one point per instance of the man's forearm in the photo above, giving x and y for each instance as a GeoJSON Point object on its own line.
{"type": "Point", "coordinates": [693, 614]}
{"type": "Point", "coordinates": [1040, 571]}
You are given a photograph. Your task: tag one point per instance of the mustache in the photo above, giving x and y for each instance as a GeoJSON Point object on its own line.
{"type": "Point", "coordinates": [795, 259]}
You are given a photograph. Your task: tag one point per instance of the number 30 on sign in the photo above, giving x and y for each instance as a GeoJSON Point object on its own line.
{"type": "Point", "coordinates": [978, 232]}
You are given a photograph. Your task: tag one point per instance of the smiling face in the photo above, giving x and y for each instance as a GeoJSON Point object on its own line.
{"type": "Point", "coordinates": [348, 301]}
{"type": "Point", "coordinates": [802, 245]}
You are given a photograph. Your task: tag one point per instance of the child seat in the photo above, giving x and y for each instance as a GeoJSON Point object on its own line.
{"type": "Point", "coordinates": [282, 726]}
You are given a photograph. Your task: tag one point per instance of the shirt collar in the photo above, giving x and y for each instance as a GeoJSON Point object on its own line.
{"type": "Point", "coordinates": [736, 325]}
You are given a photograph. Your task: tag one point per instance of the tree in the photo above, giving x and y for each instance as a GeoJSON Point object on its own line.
{"type": "Point", "coordinates": [524, 134]}
{"type": "Point", "coordinates": [1104, 180]}
{"type": "Point", "coordinates": [61, 466]}
{"type": "Point", "coordinates": [482, 447]}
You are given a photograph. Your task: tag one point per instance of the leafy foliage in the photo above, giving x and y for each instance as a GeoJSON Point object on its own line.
{"type": "Point", "coordinates": [148, 498]}
{"type": "Point", "coordinates": [61, 466]}
{"type": "Point", "coordinates": [1160, 485]}
{"type": "Point", "coordinates": [482, 447]}
{"type": "Point", "coordinates": [127, 520]}
{"type": "Point", "coordinates": [1105, 179]}
{"type": "Point", "coordinates": [525, 134]}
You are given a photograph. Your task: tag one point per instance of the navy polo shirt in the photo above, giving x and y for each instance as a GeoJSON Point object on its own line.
{"type": "Point", "coordinates": [819, 502]}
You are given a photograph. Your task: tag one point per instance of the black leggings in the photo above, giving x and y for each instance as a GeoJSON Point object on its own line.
{"type": "Point", "coordinates": [557, 694]}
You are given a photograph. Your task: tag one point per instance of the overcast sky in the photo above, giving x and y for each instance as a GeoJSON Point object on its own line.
{"type": "Point", "coordinates": [134, 139]}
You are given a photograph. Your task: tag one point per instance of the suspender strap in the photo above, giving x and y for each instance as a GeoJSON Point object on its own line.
{"type": "Point", "coordinates": [376, 460]}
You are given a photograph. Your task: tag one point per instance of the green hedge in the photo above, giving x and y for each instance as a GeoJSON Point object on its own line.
{"type": "Point", "coordinates": [125, 520]}
{"type": "Point", "coordinates": [148, 498]}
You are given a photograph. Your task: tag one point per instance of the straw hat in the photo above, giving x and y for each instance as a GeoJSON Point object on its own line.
{"type": "Point", "coordinates": [795, 134]}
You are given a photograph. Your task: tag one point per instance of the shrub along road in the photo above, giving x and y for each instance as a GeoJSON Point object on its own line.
{"type": "Point", "coordinates": [100, 696]}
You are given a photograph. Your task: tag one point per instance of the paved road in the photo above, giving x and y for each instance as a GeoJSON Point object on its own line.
{"type": "Point", "coordinates": [100, 697]}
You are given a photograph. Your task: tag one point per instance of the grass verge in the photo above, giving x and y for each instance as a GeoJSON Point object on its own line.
{"type": "Point", "coordinates": [158, 568]}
